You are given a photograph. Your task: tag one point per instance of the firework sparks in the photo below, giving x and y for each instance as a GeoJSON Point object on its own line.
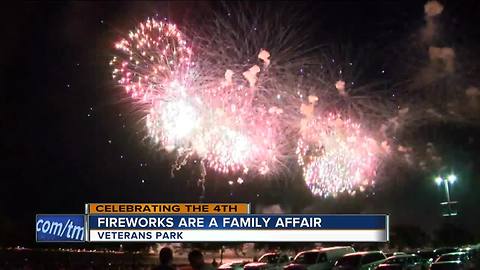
{"type": "Point", "coordinates": [337, 156]}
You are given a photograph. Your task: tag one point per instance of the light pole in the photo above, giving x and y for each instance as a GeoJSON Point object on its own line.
{"type": "Point", "coordinates": [447, 181]}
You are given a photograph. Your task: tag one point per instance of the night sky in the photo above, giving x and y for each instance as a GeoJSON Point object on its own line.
{"type": "Point", "coordinates": [69, 135]}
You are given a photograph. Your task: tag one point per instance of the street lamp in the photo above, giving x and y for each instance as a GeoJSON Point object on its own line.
{"type": "Point", "coordinates": [452, 178]}
{"type": "Point", "coordinates": [447, 181]}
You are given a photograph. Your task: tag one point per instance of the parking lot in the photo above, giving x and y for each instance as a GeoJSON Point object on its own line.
{"type": "Point", "coordinates": [337, 258]}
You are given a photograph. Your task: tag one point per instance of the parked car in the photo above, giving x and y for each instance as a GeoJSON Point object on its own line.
{"type": "Point", "coordinates": [366, 260]}
{"type": "Point", "coordinates": [318, 259]}
{"type": "Point", "coordinates": [444, 250]}
{"type": "Point", "coordinates": [269, 261]}
{"type": "Point", "coordinates": [236, 265]}
{"type": "Point", "coordinates": [459, 260]}
{"type": "Point", "coordinates": [454, 256]}
{"type": "Point", "coordinates": [402, 262]}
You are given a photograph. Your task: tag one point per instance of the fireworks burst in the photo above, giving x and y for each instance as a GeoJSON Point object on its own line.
{"type": "Point", "coordinates": [226, 123]}
{"type": "Point", "coordinates": [337, 156]}
{"type": "Point", "coordinates": [151, 58]}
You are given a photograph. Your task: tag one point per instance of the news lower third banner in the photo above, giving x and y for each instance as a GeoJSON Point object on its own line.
{"type": "Point", "coordinates": [146, 225]}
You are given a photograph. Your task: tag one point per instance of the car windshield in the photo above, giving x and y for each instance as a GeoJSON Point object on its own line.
{"type": "Point", "coordinates": [271, 258]}
{"type": "Point", "coordinates": [451, 257]}
{"type": "Point", "coordinates": [307, 258]}
{"type": "Point", "coordinates": [352, 260]}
